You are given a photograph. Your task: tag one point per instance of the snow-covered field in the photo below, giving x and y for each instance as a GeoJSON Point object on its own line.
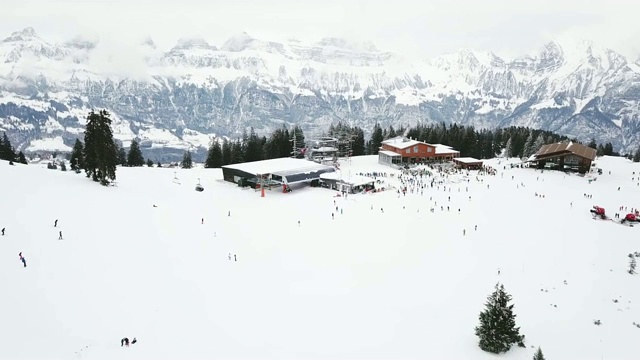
{"type": "Point", "coordinates": [400, 284]}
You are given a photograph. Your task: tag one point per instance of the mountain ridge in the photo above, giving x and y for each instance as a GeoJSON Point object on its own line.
{"type": "Point", "coordinates": [180, 98]}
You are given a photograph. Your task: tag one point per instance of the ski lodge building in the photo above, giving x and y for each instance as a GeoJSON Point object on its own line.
{"type": "Point", "coordinates": [274, 172]}
{"type": "Point", "coordinates": [402, 150]}
{"type": "Point", "coordinates": [564, 156]}
{"type": "Point", "coordinates": [468, 163]}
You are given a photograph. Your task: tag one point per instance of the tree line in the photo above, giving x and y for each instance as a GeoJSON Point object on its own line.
{"type": "Point", "coordinates": [8, 153]}
{"type": "Point", "coordinates": [251, 147]}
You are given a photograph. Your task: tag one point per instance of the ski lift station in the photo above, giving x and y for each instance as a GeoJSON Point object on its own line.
{"type": "Point", "coordinates": [274, 172]}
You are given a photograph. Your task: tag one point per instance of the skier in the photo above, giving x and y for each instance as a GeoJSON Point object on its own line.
{"type": "Point", "coordinates": [202, 222]}
{"type": "Point", "coordinates": [476, 228]}
{"type": "Point", "coordinates": [234, 257]}
{"type": "Point", "coordinates": [60, 237]}
{"type": "Point", "coordinates": [298, 222]}
{"type": "Point", "coordinates": [332, 216]}
{"type": "Point", "coordinates": [124, 341]}
{"type": "Point", "coordinates": [229, 213]}
{"type": "Point", "coordinates": [2, 231]}
{"type": "Point", "coordinates": [229, 256]}
{"type": "Point", "coordinates": [464, 232]}
{"type": "Point", "coordinates": [55, 223]}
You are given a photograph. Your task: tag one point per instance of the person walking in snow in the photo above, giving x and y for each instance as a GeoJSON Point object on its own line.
{"type": "Point", "coordinates": [124, 342]}
{"type": "Point", "coordinates": [24, 261]}
{"type": "Point", "coordinates": [55, 223]}
{"type": "Point", "coordinates": [60, 237]}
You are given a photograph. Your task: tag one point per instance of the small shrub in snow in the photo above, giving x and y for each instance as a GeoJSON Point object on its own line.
{"type": "Point", "coordinates": [63, 167]}
{"type": "Point", "coordinates": [538, 355]}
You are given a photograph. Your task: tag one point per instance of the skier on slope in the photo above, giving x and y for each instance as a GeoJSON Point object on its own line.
{"type": "Point", "coordinates": [2, 231]}
{"type": "Point", "coordinates": [24, 261]}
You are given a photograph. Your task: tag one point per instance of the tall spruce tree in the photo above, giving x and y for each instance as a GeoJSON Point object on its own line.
{"type": "Point", "coordinates": [214, 155]}
{"type": "Point", "coordinates": [187, 163]}
{"type": "Point", "coordinates": [538, 355]}
{"type": "Point", "coordinates": [135, 158]}
{"type": "Point", "coordinates": [6, 150]}
{"type": "Point", "coordinates": [77, 156]}
{"type": "Point", "coordinates": [636, 156]}
{"type": "Point", "coordinates": [497, 330]}
{"type": "Point", "coordinates": [376, 140]}
{"type": "Point", "coordinates": [100, 153]}
{"type": "Point", "coordinates": [226, 152]}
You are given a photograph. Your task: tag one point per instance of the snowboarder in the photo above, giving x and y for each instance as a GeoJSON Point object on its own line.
{"type": "Point", "coordinates": [55, 223]}
{"type": "Point", "coordinates": [124, 342]}
{"type": "Point", "coordinates": [60, 237]}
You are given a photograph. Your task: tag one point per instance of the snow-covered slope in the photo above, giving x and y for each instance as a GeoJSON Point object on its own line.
{"type": "Point", "coordinates": [577, 89]}
{"type": "Point", "coordinates": [400, 284]}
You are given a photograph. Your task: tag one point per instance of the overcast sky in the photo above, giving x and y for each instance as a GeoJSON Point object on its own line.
{"type": "Point", "coordinates": [421, 28]}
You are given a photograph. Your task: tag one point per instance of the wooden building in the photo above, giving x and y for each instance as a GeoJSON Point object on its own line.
{"type": "Point", "coordinates": [402, 150]}
{"type": "Point", "coordinates": [468, 163]}
{"type": "Point", "coordinates": [564, 156]}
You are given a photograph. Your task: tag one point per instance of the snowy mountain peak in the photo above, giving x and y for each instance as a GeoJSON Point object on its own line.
{"type": "Point", "coordinates": [22, 35]}
{"type": "Point", "coordinates": [192, 43]}
{"type": "Point", "coordinates": [238, 42]}
{"type": "Point", "coordinates": [148, 42]}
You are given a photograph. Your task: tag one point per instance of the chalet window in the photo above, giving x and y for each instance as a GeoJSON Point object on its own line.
{"type": "Point", "coordinates": [429, 149]}
{"type": "Point", "coordinates": [408, 151]}
{"type": "Point", "coordinates": [415, 149]}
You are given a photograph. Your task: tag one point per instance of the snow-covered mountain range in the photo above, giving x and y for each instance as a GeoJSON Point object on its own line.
{"type": "Point", "coordinates": [183, 97]}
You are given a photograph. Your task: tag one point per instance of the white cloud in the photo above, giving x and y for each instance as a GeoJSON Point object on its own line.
{"type": "Point", "coordinates": [420, 28]}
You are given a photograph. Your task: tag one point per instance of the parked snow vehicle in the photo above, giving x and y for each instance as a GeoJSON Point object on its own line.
{"type": "Point", "coordinates": [631, 218]}
{"type": "Point", "coordinates": [598, 211]}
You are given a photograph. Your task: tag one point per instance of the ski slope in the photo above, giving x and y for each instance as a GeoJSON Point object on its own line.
{"type": "Point", "coordinates": [400, 284]}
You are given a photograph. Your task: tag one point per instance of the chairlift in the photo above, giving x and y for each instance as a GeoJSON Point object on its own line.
{"type": "Point", "coordinates": [199, 187]}
{"type": "Point", "coordinates": [175, 179]}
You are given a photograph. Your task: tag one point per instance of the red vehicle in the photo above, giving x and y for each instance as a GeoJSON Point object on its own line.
{"type": "Point", "coordinates": [630, 218]}
{"type": "Point", "coordinates": [598, 211]}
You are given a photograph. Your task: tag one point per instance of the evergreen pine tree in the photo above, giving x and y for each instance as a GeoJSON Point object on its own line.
{"type": "Point", "coordinates": [376, 139]}
{"type": "Point", "coordinates": [497, 330]}
{"type": "Point", "coordinates": [226, 152]}
{"type": "Point", "coordinates": [21, 158]}
{"type": "Point", "coordinates": [149, 163]}
{"type": "Point", "coordinates": [186, 161]}
{"type": "Point", "coordinates": [214, 156]}
{"type": "Point", "coordinates": [159, 165]}
{"type": "Point", "coordinates": [537, 144]}
{"type": "Point", "coordinates": [6, 150]}
{"type": "Point", "coordinates": [135, 158]}
{"type": "Point", "coordinates": [122, 156]}
{"type": "Point", "coordinates": [100, 153]}
{"type": "Point", "coordinates": [538, 355]}
{"type": "Point", "coordinates": [593, 144]}
{"type": "Point", "coordinates": [63, 166]}
{"type": "Point", "coordinates": [636, 156]}
{"type": "Point", "coordinates": [77, 156]}
{"type": "Point", "coordinates": [508, 148]}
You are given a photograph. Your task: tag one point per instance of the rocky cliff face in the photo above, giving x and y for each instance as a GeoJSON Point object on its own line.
{"type": "Point", "coordinates": [182, 98]}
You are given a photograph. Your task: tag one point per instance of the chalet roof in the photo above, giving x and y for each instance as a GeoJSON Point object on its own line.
{"type": "Point", "coordinates": [402, 142]}
{"type": "Point", "coordinates": [580, 150]}
{"type": "Point", "coordinates": [467, 160]}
